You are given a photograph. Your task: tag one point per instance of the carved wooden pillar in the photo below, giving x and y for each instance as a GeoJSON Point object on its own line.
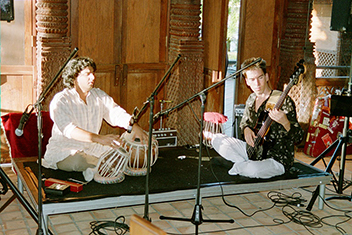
{"type": "Point", "coordinates": [187, 80]}
{"type": "Point", "coordinates": [53, 44]}
{"type": "Point", "coordinates": [295, 45]}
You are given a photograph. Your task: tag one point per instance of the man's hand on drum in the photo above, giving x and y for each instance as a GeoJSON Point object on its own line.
{"type": "Point", "coordinates": [110, 140]}
{"type": "Point", "coordinates": [86, 136]}
{"type": "Point", "coordinates": [139, 133]}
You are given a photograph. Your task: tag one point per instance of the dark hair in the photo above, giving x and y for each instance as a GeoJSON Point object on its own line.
{"type": "Point", "coordinates": [74, 67]}
{"type": "Point", "coordinates": [260, 65]}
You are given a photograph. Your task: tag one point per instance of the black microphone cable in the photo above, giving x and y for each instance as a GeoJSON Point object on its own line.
{"type": "Point", "coordinates": [118, 226]}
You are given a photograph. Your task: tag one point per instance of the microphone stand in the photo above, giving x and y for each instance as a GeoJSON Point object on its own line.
{"type": "Point", "coordinates": [197, 217]}
{"type": "Point", "coordinates": [5, 180]}
{"type": "Point", "coordinates": [151, 100]}
{"type": "Point", "coordinates": [38, 107]}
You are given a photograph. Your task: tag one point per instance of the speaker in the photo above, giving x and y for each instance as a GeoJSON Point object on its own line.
{"type": "Point", "coordinates": [238, 113]}
{"type": "Point", "coordinates": [341, 16]}
{"type": "Point", "coordinates": [341, 106]}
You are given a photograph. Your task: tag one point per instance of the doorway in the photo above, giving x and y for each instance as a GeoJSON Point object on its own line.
{"type": "Point", "coordinates": [232, 46]}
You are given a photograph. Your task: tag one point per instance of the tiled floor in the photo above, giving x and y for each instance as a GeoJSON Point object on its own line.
{"type": "Point", "coordinates": [244, 210]}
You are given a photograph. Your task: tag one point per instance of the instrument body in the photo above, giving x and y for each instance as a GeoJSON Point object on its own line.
{"type": "Point", "coordinates": [137, 155]}
{"type": "Point", "coordinates": [111, 166]}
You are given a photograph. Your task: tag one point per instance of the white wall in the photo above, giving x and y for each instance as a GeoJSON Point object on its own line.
{"type": "Point", "coordinates": [324, 38]}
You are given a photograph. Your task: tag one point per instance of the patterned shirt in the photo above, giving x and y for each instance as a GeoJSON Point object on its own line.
{"type": "Point", "coordinates": [69, 111]}
{"type": "Point", "coordinates": [281, 143]}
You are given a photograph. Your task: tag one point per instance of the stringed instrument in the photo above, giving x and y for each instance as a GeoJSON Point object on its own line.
{"type": "Point", "coordinates": [264, 129]}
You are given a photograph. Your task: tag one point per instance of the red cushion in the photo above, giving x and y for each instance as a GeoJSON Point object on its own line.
{"type": "Point", "coordinates": [215, 117]}
{"type": "Point", "coordinates": [27, 144]}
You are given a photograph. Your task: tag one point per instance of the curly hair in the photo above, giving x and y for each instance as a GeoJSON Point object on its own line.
{"type": "Point", "coordinates": [260, 65]}
{"type": "Point", "coordinates": [74, 67]}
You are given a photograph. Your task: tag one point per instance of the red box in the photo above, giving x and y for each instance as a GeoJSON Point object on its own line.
{"type": "Point", "coordinates": [324, 130]}
{"type": "Point", "coordinates": [74, 187]}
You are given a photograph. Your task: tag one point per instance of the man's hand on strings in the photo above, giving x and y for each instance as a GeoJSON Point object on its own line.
{"type": "Point", "coordinates": [249, 136]}
{"type": "Point", "coordinates": [279, 116]}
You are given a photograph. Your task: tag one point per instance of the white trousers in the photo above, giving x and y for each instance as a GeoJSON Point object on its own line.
{"type": "Point", "coordinates": [81, 162]}
{"type": "Point", "coordinates": [234, 150]}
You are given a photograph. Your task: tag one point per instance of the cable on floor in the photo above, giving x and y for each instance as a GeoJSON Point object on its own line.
{"type": "Point", "coordinates": [223, 196]}
{"type": "Point", "coordinates": [281, 199]}
{"type": "Point", "coordinates": [302, 217]}
{"type": "Point", "coordinates": [118, 226]}
{"type": "Point", "coordinates": [347, 214]}
{"type": "Point", "coordinates": [308, 219]}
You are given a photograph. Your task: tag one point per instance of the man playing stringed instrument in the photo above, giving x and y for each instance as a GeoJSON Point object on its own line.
{"type": "Point", "coordinates": [262, 155]}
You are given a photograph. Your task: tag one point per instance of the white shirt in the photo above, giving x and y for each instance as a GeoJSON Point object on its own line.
{"type": "Point", "coordinates": [69, 111]}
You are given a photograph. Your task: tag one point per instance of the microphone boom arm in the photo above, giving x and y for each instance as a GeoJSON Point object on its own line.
{"type": "Point", "coordinates": [42, 95]}
{"type": "Point", "coordinates": [161, 113]}
{"type": "Point", "coordinates": [137, 116]}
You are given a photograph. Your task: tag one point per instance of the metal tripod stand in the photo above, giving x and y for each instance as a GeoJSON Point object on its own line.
{"type": "Point", "coordinates": [340, 106]}
{"type": "Point", "coordinates": [197, 217]}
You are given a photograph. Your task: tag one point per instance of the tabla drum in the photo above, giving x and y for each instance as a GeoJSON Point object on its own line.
{"type": "Point", "coordinates": [213, 124]}
{"type": "Point", "coordinates": [111, 166]}
{"type": "Point", "coordinates": [138, 155]}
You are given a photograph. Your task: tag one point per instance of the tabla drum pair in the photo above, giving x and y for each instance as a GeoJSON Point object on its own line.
{"type": "Point", "coordinates": [213, 124]}
{"type": "Point", "coordinates": [130, 158]}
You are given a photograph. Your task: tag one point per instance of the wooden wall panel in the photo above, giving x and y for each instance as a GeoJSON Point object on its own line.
{"type": "Point", "coordinates": [16, 88]}
{"type": "Point", "coordinates": [127, 41]}
{"type": "Point", "coordinates": [214, 34]}
{"type": "Point", "coordinates": [258, 29]}
{"type": "Point", "coordinates": [106, 80]}
{"type": "Point", "coordinates": [131, 89]}
{"type": "Point", "coordinates": [142, 31]}
{"type": "Point", "coordinates": [214, 38]}
{"type": "Point", "coordinates": [30, 32]}
{"type": "Point", "coordinates": [96, 30]}
{"type": "Point", "coordinates": [256, 37]}
{"type": "Point", "coordinates": [139, 85]}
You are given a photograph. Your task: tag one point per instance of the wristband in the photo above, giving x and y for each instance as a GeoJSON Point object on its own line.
{"type": "Point", "coordinates": [129, 128]}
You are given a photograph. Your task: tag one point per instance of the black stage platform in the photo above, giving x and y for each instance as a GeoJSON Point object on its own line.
{"type": "Point", "coordinates": [171, 173]}
{"type": "Point", "coordinates": [172, 178]}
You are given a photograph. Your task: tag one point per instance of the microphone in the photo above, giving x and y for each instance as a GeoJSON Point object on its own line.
{"type": "Point", "coordinates": [23, 120]}
{"type": "Point", "coordinates": [161, 113]}
{"type": "Point", "coordinates": [165, 101]}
